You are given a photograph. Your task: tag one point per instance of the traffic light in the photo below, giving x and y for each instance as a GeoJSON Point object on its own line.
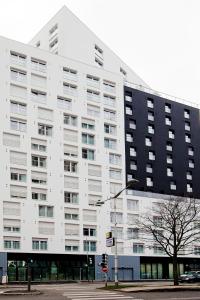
{"type": "Point", "coordinates": [90, 260]}
{"type": "Point", "coordinates": [104, 260]}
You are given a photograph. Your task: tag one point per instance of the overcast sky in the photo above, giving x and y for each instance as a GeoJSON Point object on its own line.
{"type": "Point", "coordinates": [158, 39]}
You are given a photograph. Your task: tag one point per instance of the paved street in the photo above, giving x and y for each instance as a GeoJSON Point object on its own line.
{"type": "Point", "coordinates": [86, 291]}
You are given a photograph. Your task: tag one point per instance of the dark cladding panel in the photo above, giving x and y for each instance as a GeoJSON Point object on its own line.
{"type": "Point", "coordinates": [150, 113]}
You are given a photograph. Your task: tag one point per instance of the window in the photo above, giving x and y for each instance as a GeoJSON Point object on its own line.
{"type": "Point", "coordinates": [17, 58]}
{"type": "Point", "coordinates": [18, 75]}
{"type": "Point", "coordinates": [169, 159]}
{"type": "Point", "coordinates": [157, 221]}
{"type": "Point", "coordinates": [132, 124]}
{"type": "Point", "coordinates": [150, 116]}
{"type": "Point", "coordinates": [53, 29]}
{"type": "Point", "coordinates": [133, 151]}
{"type": "Point", "coordinates": [70, 197]}
{"type": "Point", "coordinates": [197, 250]}
{"type": "Point", "coordinates": [45, 211]}
{"type": "Point", "coordinates": [132, 233]}
{"type": "Point", "coordinates": [109, 115]}
{"type": "Point", "coordinates": [171, 134]}
{"type": "Point", "coordinates": [45, 129]}
{"type": "Point", "coordinates": [151, 129]}
{"type": "Point", "coordinates": [116, 217]}
{"type": "Point", "coordinates": [70, 89]}
{"type": "Point", "coordinates": [17, 108]}
{"type": "Point", "coordinates": [169, 172]}
{"type": "Point", "coordinates": [98, 49]}
{"type": "Point", "coordinates": [191, 151]}
{"type": "Point", "coordinates": [189, 175]}
{"type": "Point", "coordinates": [115, 174]}
{"type": "Point", "coordinates": [189, 188]}
{"type": "Point", "coordinates": [173, 185]}
{"type": "Point", "coordinates": [70, 166]}
{"type": "Point", "coordinates": [110, 143]}
{"type": "Point", "coordinates": [129, 110]}
{"type": "Point", "coordinates": [39, 161]}
{"type": "Point", "coordinates": [72, 246]}
{"type": "Point", "coordinates": [70, 120]}
{"type": "Point", "coordinates": [149, 181]}
{"type": "Point", "coordinates": [122, 71]}
{"type": "Point", "coordinates": [19, 125]}
{"type": "Point", "coordinates": [168, 121]}
{"type": "Point", "coordinates": [169, 146]}
{"type": "Point", "coordinates": [38, 178]}
{"type": "Point", "coordinates": [152, 155]}
{"type": "Point", "coordinates": [38, 65]}
{"type": "Point", "coordinates": [110, 129]}
{"type": "Point", "coordinates": [53, 43]}
{"type": "Point", "coordinates": [132, 204]}
{"type": "Point", "coordinates": [98, 62]}
{"type": "Point", "coordinates": [187, 138]}
{"type": "Point", "coordinates": [89, 246]}
{"type": "Point", "coordinates": [133, 165]}
{"type": "Point", "coordinates": [38, 145]}
{"type": "Point", "coordinates": [38, 96]}
{"type": "Point", "coordinates": [187, 126]}
{"type": "Point", "coordinates": [69, 74]}
{"type": "Point", "coordinates": [138, 248]}
{"type": "Point", "coordinates": [109, 100]}
{"type": "Point", "coordinates": [64, 103]}
{"type": "Point", "coordinates": [39, 244]}
{"type": "Point", "coordinates": [129, 137]}
{"type": "Point", "coordinates": [186, 114]}
{"type": "Point", "coordinates": [70, 150]}
{"type": "Point", "coordinates": [114, 159]}
{"type": "Point", "coordinates": [11, 244]}
{"type": "Point", "coordinates": [88, 154]}
{"type": "Point", "coordinates": [18, 175]}
{"type": "Point", "coordinates": [93, 95]}
{"type": "Point", "coordinates": [72, 216]}
{"type": "Point", "coordinates": [109, 86]}
{"type": "Point", "coordinates": [149, 168]}
{"type": "Point", "coordinates": [191, 163]}
{"type": "Point", "coordinates": [93, 111]}
{"type": "Point", "coordinates": [93, 81]}
{"type": "Point", "coordinates": [148, 141]}
{"type": "Point", "coordinates": [150, 103]}
{"type": "Point", "coordinates": [39, 195]}
{"type": "Point", "coordinates": [158, 250]}
{"type": "Point", "coordinates": [128, 96]}
{"type": "Point", "coordinates": [89, 231]}
{"type": "Point", "coordinates": [87, 139]}
{"type": "Point", "coordinates": [11, 225]}
{"type": "Point", "coordinates": [168, 108]}
{"type": "Point", "coordinates": [88, 124]}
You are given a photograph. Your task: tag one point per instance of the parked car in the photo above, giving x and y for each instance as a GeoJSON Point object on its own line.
{"type": "Point", "coordinates": [193, 276]}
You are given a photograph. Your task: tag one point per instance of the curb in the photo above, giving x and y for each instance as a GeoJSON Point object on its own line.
{"type": "Point", "coordinates": [160, 289]}
{"type": "Point", "coordinates": [19, 293]}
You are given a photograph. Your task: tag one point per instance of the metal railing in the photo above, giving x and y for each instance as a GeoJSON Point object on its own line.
{"type": "Point", "coordinates": [159, 94]}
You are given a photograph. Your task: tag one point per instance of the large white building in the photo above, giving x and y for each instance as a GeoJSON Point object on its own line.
{"type": "Point", "coordinates": [62, 149]}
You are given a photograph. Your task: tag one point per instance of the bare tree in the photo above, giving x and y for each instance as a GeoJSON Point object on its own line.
{"type": "Point", "coordinates": [174, 226]}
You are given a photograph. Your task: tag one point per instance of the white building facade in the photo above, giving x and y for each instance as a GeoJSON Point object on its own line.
{"type": "Point", "coordinates": [63, 149]}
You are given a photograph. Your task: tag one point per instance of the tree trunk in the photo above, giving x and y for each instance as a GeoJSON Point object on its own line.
{"type": "Point", "coordinates": [175, 269]}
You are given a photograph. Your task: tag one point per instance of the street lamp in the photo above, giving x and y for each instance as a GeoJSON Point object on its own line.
{"type": "Point", "coordinates": [99, 203]}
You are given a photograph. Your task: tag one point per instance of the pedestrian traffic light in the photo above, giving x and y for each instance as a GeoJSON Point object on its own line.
{"type": "Point", "coordinates": [104, 260]}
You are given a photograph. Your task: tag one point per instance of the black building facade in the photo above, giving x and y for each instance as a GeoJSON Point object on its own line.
{"type": "Point", "coordinates": [162, 144]}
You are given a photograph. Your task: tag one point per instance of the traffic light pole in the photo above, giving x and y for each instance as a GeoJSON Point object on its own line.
{"type": "Point", "coordinates": [116, 252]}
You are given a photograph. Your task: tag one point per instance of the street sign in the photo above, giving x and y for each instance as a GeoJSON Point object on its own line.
{"type": "Point", "coordinates": [110, 242]}
{"type": "Point", "coordinates": [105, 269]}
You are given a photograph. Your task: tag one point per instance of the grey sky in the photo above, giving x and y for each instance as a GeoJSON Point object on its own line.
{"type": "Point", "coordinates": [159, 39]}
